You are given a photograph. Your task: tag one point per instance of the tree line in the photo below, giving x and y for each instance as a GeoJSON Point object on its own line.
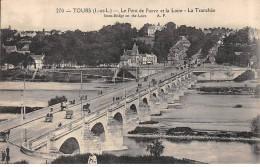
{"type": "Point", "coordinates": [108, 44]}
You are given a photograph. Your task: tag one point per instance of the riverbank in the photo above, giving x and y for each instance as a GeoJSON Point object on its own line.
{"type": "Point", "coordinates": [227, 90]}
{"type": "Point", "coordinates": [186, 134]}
{"type": "Point", "coordinates": [124, 159]}
{"type": "Point", "coordinates": [16, 109]}
{"type": "Point", "coordinates": [196, 138]}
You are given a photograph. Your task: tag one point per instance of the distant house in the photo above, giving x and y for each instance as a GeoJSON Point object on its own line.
{"type": "Point", "coordinates": [10, 39]}
{"type": "Point", "coordinates": [178, 52]}
{"type": "Point", "coordinates": [38, 61]}
{"type": "Point", "coordinates": [238, 53]}
{"type": "Point", "coordinates": [152, 29]}
{"type": "Point", "coordinates": [206, 31]}
{"type": "Point", "coordinates": [132, 58]}
{"type": "Point", "coordinates": [252, 60]}
{"type": "Point", "coordinates": [24, 49]}
{"type": "Point", "coordinates": [149, 59]}
{"type": "Point", "coordinates": [10, 49]}
{"type": "Point", "coordinates": [26, 34]}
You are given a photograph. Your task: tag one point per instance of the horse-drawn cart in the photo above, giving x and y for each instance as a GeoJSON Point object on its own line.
{"type": "Point", "coordinates": [69, 114]}
{"type": "Point", "coordinates": [49, 117]}
{"type": "Point", "coordinates": [86, 108]}
{"type": "Point", "coordinates": [4, 135]}
{"type": "Point", "coordinates": [63, 106]}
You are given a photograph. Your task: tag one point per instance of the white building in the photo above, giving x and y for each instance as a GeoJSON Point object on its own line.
{"type": "Point", "coordinates": [152, 29]}
{"type": "Point", "coordinates": [132, 58]}
{"type": "Point", "coordinates": [38, 61]}
{"type": "Point", "coordinates": [149, 59]}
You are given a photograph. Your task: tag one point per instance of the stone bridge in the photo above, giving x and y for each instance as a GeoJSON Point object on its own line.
{"type": "Point", "coordinates": [104, 128]}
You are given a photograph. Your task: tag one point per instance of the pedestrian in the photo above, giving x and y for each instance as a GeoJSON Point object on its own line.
{"type": "Point", "coordinates": [101, 92]}
{"type": "Point", "coordinates": [51, 108]}
{"type": "Point", "coordinates": [3, 155]}
{"type": "Point", "coordinates": [113, 99]}
{"type": "Point", "coordinates": [7, 150]}
{"type": "Point", "coordinates": [92, 159]}
{"type": "Point", "coordinates": [7, 159]}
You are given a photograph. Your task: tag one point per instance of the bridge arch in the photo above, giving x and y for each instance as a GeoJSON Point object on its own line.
{"type": "Point", "coordinates": [145, 100]}
{"type": "Point", "coordinates": [162, 90]}
{"type": "Point", "coordinates": [133, 108]}
{"type": "Point", "coordinates": [154, 94]}
{"type": "Point", "coordinates": [98, 129]}
{"type": "Point", "coordinates": [70, 146]}
{"type": "Point", "coordinates": [118, 116]}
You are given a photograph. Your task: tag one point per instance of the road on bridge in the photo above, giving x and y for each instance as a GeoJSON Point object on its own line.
{"type": "Point", "coordinates": [34, 122]}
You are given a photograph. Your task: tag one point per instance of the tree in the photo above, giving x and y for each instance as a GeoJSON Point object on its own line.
{"type": "Point", "coordinates": [255, 125]}
{"type": "Point", "coordinates": [143, 32]}
{"type": "Point", "coordinates": [164, 40]}
{"type": "Point", "coordinates": [156, 148]}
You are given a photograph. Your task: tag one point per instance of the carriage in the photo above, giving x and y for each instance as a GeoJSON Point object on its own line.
{"type": "Point", "coordinates": [62, 106]}
{"type": "Point", "coordinates": [69, 114]}
{"type": "Point", "coordinates": [154, 82]}
{"type": "Point", "coordinates": [49, 117]}
{"type": "Point", "coordinates": [4, 135]}
{"type": "Point", "coordinates": [86, 108]}
{"type": "Point", "coordinates": [139, 85]}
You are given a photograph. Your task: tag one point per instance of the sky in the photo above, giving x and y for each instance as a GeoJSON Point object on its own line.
{"type": "Point", "coordinates": [39, 14]}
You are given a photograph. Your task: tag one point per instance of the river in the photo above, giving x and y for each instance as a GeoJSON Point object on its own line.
{"type": "Point", "coordinates": [198, 111]}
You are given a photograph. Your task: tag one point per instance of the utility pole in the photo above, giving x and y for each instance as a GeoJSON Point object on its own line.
{"type": "Point", "coordinates": [81, 107]}
{"type": "Point", "coordinates": [24, 97]}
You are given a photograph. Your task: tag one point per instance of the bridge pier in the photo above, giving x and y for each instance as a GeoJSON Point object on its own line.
{"type": "Point", "coordinates": [144, 112]}
{"type": "Point", "coordinates": [90, 143]}
{"type": "Point", "coordinates": [114, 136]}
{"type": "Point", "coordinates": [131, 120]}
{"type": "Point", "coordinates": [163, 100]}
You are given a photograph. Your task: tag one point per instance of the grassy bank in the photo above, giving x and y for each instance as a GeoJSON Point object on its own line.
{"type": "Point", "coordinates": [16, 110]}
{"type": "Point", "coordinates": [228, 90]}
{"type": "Point", "coordinates": [124, 159]}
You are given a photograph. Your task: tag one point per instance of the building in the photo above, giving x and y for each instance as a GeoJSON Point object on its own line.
{"type": "Point", "coordinates": [24, 49]}
{"type": "Point", "coordinates": [38, 61]}
{"type": "Point", "coordinates": [149, 59]}
{"type": "Point", "coordinates": [132, 58]}
{"type": "Point", "coordinates": [177, 53]}
{"type": "Point", "coordinates": [30, 34]}
{"type": "Point", "coordinates": [252, 61]}
{"type": "Point", "coordinates": [10, 49]}
{"type": "Point", "coordinates": [152, 29]}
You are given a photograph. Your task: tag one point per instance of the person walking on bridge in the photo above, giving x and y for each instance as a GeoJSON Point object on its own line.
{"type": "Point", "coordinates": [3, 156]}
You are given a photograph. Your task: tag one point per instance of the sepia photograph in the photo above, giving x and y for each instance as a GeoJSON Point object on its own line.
{"type": "Point", "coordinates": [129, 82]}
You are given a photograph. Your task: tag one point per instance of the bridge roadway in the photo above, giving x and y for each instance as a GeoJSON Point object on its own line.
{"type": "Point", "coordinates": [35, 126]}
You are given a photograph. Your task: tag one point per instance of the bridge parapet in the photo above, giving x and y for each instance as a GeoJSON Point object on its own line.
{"type": "Point", "coordinates": [131, 98]}
{"type": "Point", "coordinates": [144, 92]}
{"type": "Point", "coordinates": [63, 130]}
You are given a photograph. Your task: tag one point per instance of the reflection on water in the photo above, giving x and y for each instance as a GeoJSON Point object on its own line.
{"type": "Point", "coordinates": [39, 93]}
{"type": "Point", "coordinates": [214, 112]}
{"type": "Point", "coordinates": [210, 151]}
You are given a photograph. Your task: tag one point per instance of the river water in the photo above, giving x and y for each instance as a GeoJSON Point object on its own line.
{"type": "Point", "coordinates": [198, 111]}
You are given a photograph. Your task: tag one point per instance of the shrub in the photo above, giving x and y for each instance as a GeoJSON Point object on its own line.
{"type": "Point", "coordinates": [57, 100]}
{"type": "Point", "coordinates": [22, 162]}
{"type": "Point", "coordinates": [255, 125]}
{"type": "Point", "coordinates": [238, 106]}
{"type": "Point", "coordinates": [257, 90]}
{"type": "Point", "coordinates": [185, 130]}
{"type": "Point", "coordinates": [141, 130]}
{"type": "Point", "coordinates": [149, 122]}
{"type": "Point", "coordinates": [245, 134]}
{"type": "Point", "coordinates": [124, 159]}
